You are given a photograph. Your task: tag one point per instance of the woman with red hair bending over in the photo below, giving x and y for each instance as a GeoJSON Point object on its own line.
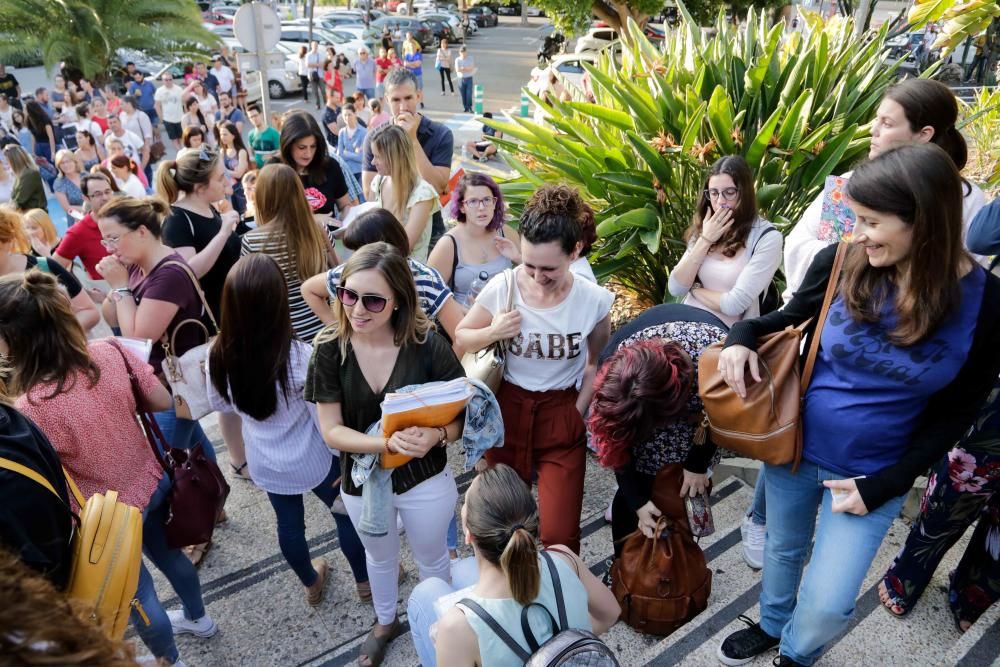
{"type": "Point", "coordinates": [643, 412]}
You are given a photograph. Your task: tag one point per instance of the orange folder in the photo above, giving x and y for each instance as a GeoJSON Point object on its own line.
{"type": "Point", "coordinates": [434, 407]}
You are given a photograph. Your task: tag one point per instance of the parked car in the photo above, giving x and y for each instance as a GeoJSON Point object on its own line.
{"type": "Point", "coordinates": [215, 18]}
{"type": "Point", "coordinates": [441, 29]}
{"type": "Point", "coordinates": [297, 32]}
{"type": "Point", "coordinates": [534, 11]}
{"type": "Point", "coordinates": [334, 20]}
{"type": "Point", "coordinates": [484, 16]}
{"type": "Point", "coordinates": [509, 10]}
{"type": "Point", "coordinates": [281, 81]}
{"type": "Point", "coordinates": [596, 39]}
{"type": "Point", "coordinates": [419, 28]}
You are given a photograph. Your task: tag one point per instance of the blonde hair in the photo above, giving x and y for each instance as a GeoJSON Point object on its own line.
{"type": "Point", "coordinates": [185, 173]}
{"type": "Point", "coordinates": [66, 153]}
{"type": "Point", "coordinates": [280, 205]}
{"type": "Point", "coordinates": [41, 219]}
{"type": "Point", "coordinates": [409, 323]}
{"type": "Point", "coordinates": [396, 152]}
{"type": "Point", "coordinates": [18, 159]}
{"type": "Point", "coordinates": [12, 231]}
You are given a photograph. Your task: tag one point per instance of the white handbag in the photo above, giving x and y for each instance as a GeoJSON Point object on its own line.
{"type": "Point", "coordinates": [487, 365]}
{"type": "Point", "coordinates": [186, 373]}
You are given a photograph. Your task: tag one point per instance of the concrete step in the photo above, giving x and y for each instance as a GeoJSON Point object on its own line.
{"type": "Point", "coordinates": [264, 620]}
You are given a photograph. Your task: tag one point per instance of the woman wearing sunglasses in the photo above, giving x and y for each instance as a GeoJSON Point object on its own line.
{"type": "Point", "coordinates": [381, 341]}
{"type": "Point", "coordinates": [732, 252]}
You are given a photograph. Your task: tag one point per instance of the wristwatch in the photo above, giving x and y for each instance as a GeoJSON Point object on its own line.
{"type": "Point", "coordinates": [118, 294]}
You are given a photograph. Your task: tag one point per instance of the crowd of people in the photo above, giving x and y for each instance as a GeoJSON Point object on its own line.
{"type": "Point", "coordinates": [316, 260]}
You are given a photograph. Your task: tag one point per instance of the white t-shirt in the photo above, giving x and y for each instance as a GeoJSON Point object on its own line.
{"type": "Point", "coordinates": [170, 103]}
{"type": "Point", "coordinates": [551, 350]}
{"type": "Point", "coordinates": [581, 267]}
{"type": "Point", "coordinates": [132, 143]}
{"type": "Point", "coordinates": [225, 77]}
{"type": "Point", "coordinates": [138, 124]}
{"type": "Point", "coordinates": [132, 187]}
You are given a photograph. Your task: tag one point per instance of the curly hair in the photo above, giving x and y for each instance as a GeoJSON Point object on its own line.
{"type": "Point", "coordinates": [640, 388]}
{"type": "Point", "coordinates": [458, 199]}
{"type": "Point", "coordinates": [553, 213]}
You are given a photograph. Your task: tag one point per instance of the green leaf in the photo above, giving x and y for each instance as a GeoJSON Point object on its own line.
{"type": "Point", "coordinates": [755, 153]}
{"type": "Point", "coordinates": [614, 117]}
{"type": "Point", "coordinates": [642, 218]}
{"type": "Point", "coordinates": [823, 165]}
{"type": "Point", "coordinates": [796, 121]}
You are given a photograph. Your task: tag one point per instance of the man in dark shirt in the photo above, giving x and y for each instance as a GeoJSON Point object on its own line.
{"type": "Point", "coordinates": [331, 114]}
{"type": "Point", "coordinates": [35, 525]}
{"type": "Point", "coordinates": [207, 78]}
{"type": "Point", "coordinates": [434, 141]}
{"type": "Point", "coordinates": [10, 87]}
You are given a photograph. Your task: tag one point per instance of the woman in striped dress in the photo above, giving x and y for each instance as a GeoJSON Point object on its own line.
{"type": "Point", "coordinates": [288, 233]}
{"type": "Point", "coordinates": [257, 369]}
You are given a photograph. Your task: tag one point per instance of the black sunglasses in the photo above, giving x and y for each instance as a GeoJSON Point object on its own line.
{"type": "Point", "coordinates": [373, 303]}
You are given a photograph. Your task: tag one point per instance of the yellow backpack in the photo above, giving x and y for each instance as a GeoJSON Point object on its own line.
{"type": "Point", "coordinates": [107, 554]}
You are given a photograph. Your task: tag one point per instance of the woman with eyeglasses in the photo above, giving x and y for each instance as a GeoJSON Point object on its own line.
{"type": "Point", "coordinates": [480, 243]}
{"type": "Point", "coordinates": [201, 226]}
{"type": "Point", "coordinates": [382, 341]}
{"type": "Point", "coordinates": [732, 252]}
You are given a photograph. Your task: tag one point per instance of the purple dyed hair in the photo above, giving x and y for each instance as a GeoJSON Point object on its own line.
{"type": "Point", "coordinates": [458, 198]}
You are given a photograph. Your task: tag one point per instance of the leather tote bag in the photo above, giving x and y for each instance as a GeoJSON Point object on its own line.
{"type": "Point", "coordinates": [766, 425]}
{"type": "Point", "coordinates": [487, 365]}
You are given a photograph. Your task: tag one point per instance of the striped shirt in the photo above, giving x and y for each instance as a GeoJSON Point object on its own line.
{"type": "Point", "coordinates": [286, 454]}
{"type": "Point", "coordinates": [431, 288]}
{"type": "Point", "coordinates": [354, 190]}
{"type": "Point", "coordinates": [305, 324]}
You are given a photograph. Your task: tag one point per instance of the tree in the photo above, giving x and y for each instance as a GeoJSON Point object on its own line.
{"type": "Point", "coordinates": [573, 16]}
{"type": "Point", "coordinates": [87, 34]}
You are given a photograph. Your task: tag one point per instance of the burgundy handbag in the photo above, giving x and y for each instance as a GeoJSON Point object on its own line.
{"type": "Point", "coordinates": [199, 489]}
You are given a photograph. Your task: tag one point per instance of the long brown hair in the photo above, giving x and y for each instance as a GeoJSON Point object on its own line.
{"type": "Point", "coordinates": [920, 184]}
{"type": "Point", "coordinates": [248, 362]}
{"type": "Point", "coordinates": [46, 342]}
{"type": "Point", "coordinates": [744, 214]}
{"type": "Point", "coordinates": [281, 208]}
{"type": "Point", "coordinates": [929, 103]}
{"type": "Point", "coordinates": [409, 323]}
{"type": "Point", "coordinates": [502, 518]}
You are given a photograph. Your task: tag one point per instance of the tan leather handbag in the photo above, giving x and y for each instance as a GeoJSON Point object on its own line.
{"type": "Point", "coordinates": [766, 425]}
{"type": "Point", "coordinates": [487, 365]}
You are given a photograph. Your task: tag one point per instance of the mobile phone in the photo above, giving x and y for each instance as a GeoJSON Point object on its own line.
{"type": "Point", "coordinates": [699, 514]}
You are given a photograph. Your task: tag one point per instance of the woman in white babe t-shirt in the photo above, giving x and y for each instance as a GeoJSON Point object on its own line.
{"type": "Point", "coordinates": [557, 328]}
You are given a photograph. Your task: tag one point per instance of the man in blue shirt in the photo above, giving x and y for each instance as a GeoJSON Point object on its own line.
{"type": "Point", "coordinates": [229, 112]}
{"type": "Point", "coordinates": [144, 93]}
{"type": "Point", "coordinates": [434, 141]}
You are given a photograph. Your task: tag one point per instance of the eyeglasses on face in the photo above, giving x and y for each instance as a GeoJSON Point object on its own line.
{"type": "Point", "coordinates": [373, 303]}
{"type": "Point", "coordinates": [729, 194]}
{"type": "Point", "coordinates": [112, 242]}
{"type": "Point", "coordinates": [485, 202]}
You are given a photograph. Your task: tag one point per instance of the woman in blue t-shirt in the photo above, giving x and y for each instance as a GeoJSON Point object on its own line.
{"type": "Point", "coordinates": [906, 358]}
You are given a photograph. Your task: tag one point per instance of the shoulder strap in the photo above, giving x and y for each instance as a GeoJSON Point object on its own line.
{"type": "Point", "coordinates": [454, 262]}
{"type": "Point", "coordinates": [497, 629]}
{"type": "Point", "coordinates": [557, 589]}
{"type": "Point", "coordinates": [42, 264]}
{"type": "Point", "coordinates": [831, 289]}
{"type": "Point", "coordinates": [36, 477]}
{"type": "Point", "coordinates": [762, 235]}
{"type": "Point", "coordinates": [188, 218]}
{"type": "Point", "coordinates": [197, 287]}
{"type": "Point", "coordinates": [508, 275]}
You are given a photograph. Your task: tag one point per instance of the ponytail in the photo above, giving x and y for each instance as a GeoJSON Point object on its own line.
{"type": "Point", "coordinates": [166, 183]}
{"type": "Point", "coordinates": [953, 143]}
{"type": "Point", "coordinates": [519, 562]}
{"type": "Point", "coordinates": [503, 518]}
{"type": "Point", "coordinates": [185, 174]}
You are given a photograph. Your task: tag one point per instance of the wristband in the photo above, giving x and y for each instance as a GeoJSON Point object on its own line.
{"type": "Point", "coordinates": [710, 241]}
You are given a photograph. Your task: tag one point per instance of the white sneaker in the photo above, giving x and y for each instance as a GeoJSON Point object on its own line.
{"type": "Point", "coordinates": [203, 627]}
{"type": "Point", "coordinates": [753, 542]}
{"type": "Point", "coordinates": [154, 662]}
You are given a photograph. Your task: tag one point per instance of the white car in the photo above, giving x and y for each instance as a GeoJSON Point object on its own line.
{"type": "Point", "coordinates": [296, 33]}
{"type": "Point", "coordinates": [567, 71]}
{"type": "Point", "coordinates": [596, 39]}
{"type": "Point", "coordinates": [281, 81]}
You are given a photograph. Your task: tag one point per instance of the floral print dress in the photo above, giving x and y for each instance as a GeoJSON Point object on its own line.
{"type": "Point", "coordinates": [964, 486]}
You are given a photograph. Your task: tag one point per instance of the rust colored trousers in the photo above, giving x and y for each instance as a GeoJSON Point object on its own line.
{"type": "Point", "coordinates": [544, 434]}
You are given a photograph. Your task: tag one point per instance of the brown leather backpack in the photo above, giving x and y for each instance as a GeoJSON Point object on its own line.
{"type": "Point", "coordinates": [662, 582]}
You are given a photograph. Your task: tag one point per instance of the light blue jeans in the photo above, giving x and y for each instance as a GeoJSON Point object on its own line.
{"type": "Point", "coordinates": [183, 433]}
{"type": "Point", "coordinates": [175, 566]}
{"type": "Point", "coordinates": [810, 615]}
{"type": "Point", "coordinates": [420, 607]}
{"type": "Point", "coordinates": [758, 509]}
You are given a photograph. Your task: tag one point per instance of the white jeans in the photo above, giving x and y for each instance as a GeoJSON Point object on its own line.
{"type": "Point", "coordinates": [426, 511]}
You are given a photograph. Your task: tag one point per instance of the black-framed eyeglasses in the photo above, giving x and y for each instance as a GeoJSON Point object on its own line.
{"type": "Point", "coordinates": [373, 303]}
{"type": "Point", "coordinates": [729, 194]}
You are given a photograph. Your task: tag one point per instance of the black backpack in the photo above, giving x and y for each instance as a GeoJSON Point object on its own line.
{"type": "Point", "coordinates": [567, 647]}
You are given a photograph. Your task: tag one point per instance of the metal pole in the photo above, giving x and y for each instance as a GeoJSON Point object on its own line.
{"type": "Point", "coordinates": [265, 101]}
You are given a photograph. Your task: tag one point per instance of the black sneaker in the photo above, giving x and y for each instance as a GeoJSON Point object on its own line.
{"type": "Point", "coordinates": [743, 646]}
{"type": "Point", "coordinates": [785, 661]}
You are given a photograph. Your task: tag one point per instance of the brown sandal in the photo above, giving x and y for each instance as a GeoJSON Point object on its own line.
{"type": "Point", "coordinates": [314, 593]}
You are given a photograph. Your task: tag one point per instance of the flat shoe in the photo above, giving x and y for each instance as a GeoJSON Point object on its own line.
{"type": "Point", "coordinates": [314, 593]}
{"type": "Point", "coordinates": [374, 647]}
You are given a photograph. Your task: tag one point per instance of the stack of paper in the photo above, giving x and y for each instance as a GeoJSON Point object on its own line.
{"type": "Point", "coordinates": [431, 405]}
